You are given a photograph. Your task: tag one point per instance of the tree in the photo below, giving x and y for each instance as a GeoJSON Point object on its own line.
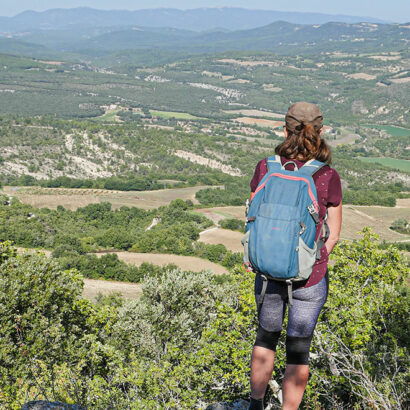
{"type": "Point", "coordinates": [44, 324]}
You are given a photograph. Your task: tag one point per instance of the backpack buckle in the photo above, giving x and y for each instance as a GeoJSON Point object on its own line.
{"type": "Point", "coordinates": [312, 211]}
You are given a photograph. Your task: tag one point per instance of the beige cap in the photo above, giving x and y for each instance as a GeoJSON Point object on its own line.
{"type": "Point", "coordinates": [301, 113]}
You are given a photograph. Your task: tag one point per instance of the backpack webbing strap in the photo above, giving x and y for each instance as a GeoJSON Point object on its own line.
{"type": "Point", "coordinates": [265, 279]}
{"type": "Point", "coordinates": [262, 295]}
{"type": "Point", "coordinates": [290, 298]}
{"type": "Point", "coordinates": [274, 163]}
{"type": "Point", "coordinates": [311, 167]}
{"type": "Point", "coordinates": [321, 241]}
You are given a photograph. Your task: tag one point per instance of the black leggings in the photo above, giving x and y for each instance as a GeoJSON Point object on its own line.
{"type": "Point", "coordinates": [303, 315]}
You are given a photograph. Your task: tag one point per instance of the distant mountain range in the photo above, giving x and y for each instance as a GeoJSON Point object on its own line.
{"type": "Point", "coordinates": [196, 19]}
{"type": "Point", "coordinates": [278, 37]}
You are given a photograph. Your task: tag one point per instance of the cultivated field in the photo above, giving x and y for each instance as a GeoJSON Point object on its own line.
{"type": "Point", "coordinates": [218, 213]}
{"type": "Point", "coordinates": [391, 129]}
{"type": "Point", "coordinates": [215, 236]}
{"type": "Point", "coordinates": [76, 198]}
{"type": "Point", "coordinates": [401, 164]}
{"type": "Point", "coordinates": [379, 219]}
{"type": "Point", "coordinates": [345, 139]}
{"type": "Point", "coordinates": [190, 263]}
{"type": "Point", "coordinates": [256, 113]}
{"type": "Point", "coordinates": [355, 218]}
{"type": "Point", "coordinates": [171, 114]}
{"type": "Point", "coordinates": [260, 122]}
{"type": "Point", "coordinates": [93, 287]}
{"type": "Point", "coordinates": [362, 76]}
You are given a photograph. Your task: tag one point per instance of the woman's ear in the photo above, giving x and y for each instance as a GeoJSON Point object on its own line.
{"type": "Point", "coordinates": [285, 131]}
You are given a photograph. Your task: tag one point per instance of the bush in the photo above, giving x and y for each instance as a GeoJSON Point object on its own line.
{"type": "Point", "coordinates": [233, 224]}
{"type": "Point", "coordinates": [401, 225]}
{"type": "Point", "coordinates": [187, 341]}
{"type": "Point", "coordinates": [44, 324]}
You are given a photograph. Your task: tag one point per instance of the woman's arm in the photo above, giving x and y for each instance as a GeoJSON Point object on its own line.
{"type": "Point", "coordinates": [334, 222]}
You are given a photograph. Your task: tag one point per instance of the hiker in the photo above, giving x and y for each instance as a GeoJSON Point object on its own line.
{"type": "Point", "coordinates": [306, 293]}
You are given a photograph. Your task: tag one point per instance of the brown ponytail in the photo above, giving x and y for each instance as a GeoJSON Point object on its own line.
{"type": "Point", "coordinates": [305, 144]}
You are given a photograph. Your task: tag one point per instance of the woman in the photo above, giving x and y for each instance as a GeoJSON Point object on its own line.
{"type": "Point", "coordinates": [302, 142]}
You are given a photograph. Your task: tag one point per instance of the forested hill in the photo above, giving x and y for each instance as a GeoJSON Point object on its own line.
{"type": "Point", "coordinates": [278, 37]}
{"type": "Point", "coordinates": [195, 19]}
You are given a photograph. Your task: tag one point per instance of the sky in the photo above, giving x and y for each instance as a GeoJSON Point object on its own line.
{"type": "Point", "coordinates": [392, 10]}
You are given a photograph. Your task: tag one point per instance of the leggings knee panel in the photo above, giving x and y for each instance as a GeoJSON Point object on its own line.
{"type": "Point", "coordinates": [297, 349]}
{"type": "Point", "coordinates": [268, 340]}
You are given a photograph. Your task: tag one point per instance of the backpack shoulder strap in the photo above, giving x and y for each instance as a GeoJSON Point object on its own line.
{"type": "Point", "coordinates": [311, 167]}
{"type": "Point", "coordinates": [274, 163]}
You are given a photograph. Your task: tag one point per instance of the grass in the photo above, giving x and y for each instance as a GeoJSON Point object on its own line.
{"type": "Point", "coordinates": [391, 129]}
{"type": "Point", "coordinates": [400, 164]}
{"type": "Point", "coordinates": [170, 114]}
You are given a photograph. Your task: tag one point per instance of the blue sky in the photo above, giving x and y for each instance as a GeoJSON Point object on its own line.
{"type": "Point", "coordinates": [394, 10]}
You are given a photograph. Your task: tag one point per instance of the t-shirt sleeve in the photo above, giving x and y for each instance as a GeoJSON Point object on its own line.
{"type": "Point", "coordinates": [335, 190]}
{"type": "Point", "coordinates": [260, 171]}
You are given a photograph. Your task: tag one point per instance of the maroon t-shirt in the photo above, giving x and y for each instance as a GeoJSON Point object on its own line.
{"type": "Point", "coordinates": [329, 193]}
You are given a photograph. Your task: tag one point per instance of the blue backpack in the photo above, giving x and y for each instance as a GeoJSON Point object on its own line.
{"type": "Point", "coordinates": [282, 219]}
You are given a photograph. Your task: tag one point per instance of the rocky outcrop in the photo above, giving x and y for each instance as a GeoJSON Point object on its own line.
{"type": "Point", "coordinates": [48, 405]}
{"type": "Point", "coordinates": [236, 405]}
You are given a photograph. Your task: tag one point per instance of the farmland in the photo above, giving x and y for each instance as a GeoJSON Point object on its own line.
{"type": "Point", "coordinates": [400, 164]}
{"type": "Point", "coordinates": [75, 198]}
{"type": "Point", "coordinates": [95, 287]}
{"type": "Point", "coordinates": [188, 263]}
{"type": "Point", "coordinates": [355, 217]}
{"type": "Point", "coordinates": [230, 239]}
{"type": "Point", "coordinates": [393, 131]}
{"type": "Point", "coordinates": [176, 115]}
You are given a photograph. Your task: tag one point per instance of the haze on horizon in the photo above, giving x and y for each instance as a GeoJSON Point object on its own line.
{"type": "Point", "coordinates": [394, 10]}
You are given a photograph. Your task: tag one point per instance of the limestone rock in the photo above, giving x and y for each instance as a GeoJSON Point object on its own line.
{"type": "Point", "coordinates": [48, 405]}
{"type": "Point", "coordinates": [236, 405]}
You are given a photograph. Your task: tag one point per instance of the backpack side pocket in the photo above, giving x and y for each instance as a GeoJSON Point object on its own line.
{"type": "Point", "coordinates": [306, 258]}
{"type": "Point", "coordinates": [245, 243]}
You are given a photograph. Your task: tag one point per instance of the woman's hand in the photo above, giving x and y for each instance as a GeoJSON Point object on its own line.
{"type": "Point", "coordinates": [334, 222]}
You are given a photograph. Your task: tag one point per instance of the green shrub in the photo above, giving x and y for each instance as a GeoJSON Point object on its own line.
{"type": "Point", "coordinates": [187, 341]}
{"type": "Point", "coordinates": [233, 224]}
{"type": "Point", "coordinates": [401, 225]}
